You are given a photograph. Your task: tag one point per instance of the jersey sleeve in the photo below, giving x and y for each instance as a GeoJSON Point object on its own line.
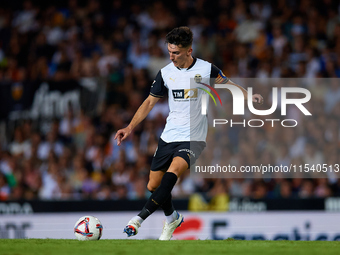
{"type": "Point", "coordinates": [219, 76]}
{"type": "Point", "coordinates": [158, 88]}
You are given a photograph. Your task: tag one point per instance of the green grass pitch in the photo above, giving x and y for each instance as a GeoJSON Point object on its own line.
{"type": "Point", "coordinates": [155, 247]}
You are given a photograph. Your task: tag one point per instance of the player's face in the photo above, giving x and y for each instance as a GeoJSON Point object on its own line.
{"type": "Point", "coordinates": [179, 55]}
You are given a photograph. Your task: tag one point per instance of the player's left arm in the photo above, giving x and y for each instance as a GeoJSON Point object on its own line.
{"type": "Point", "coordinates": [220, 78]}
{"type": "Point", "coordinates": [257, 98]}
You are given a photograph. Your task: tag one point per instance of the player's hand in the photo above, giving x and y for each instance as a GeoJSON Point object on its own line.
{"type": "Point", "coordinates": [122, 134]}
{"type": "Point", "coordinates": [257, 98]}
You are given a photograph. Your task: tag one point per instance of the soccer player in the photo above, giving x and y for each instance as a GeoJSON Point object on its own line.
{"type": "Point", "coordinates": [181, 141]}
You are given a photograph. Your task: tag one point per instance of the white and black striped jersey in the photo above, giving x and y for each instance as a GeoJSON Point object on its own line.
{"type": "Point", "coordinates": [185, 121]}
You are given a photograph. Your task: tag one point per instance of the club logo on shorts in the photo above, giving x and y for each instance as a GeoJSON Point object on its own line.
{"type": "Point", "coordinates": [187, 150]}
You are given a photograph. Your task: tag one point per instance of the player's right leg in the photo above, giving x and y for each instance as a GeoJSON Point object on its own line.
{"type": "Point", "coordinates": [131, 229]}
{"type": "Point", "coordinates": [170, 213]}
{"type": "Point", "coordinates": [163, 192]}
{"type": "Point", "coordinates": [160, 163]}
{"type": "Point", "coordinates": [155, 179]}
{"type": "Point", "coordinates": [158, 198]}
{"type": "Point", "coordinates": [135, 223]}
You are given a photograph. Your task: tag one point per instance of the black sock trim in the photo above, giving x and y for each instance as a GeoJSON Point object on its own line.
{"type": "Point", "coordinates": [144, 213]}
{"type": "Point", "coordinates": [167, 207]}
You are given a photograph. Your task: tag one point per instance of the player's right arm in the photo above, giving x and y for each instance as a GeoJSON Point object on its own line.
{"type": "Point", "coordinates": [139, 116]}
{"type": "Point", "coordinates": [157, 91]}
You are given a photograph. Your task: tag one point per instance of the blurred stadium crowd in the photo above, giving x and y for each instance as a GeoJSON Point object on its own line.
{"type": "Point", "coordinates": [123, 42]}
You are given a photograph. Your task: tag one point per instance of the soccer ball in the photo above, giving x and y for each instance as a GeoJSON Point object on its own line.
{"type": "Point", "coordinates": [88, 228]}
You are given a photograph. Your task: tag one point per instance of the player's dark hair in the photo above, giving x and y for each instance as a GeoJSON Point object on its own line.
{"type": "Point", "coordinates": [180, 36]}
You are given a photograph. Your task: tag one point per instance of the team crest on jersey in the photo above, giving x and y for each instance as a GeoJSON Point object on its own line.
{"type": "Point", "coordinates": [184, 93]}
{"type": "Point", "coordinates": [198, 78]}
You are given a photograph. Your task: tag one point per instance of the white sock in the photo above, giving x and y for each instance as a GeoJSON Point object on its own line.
{"type": "Point", "coordinates": [139, 219]}
{"type": "Point", "coordinates": [172, 217]}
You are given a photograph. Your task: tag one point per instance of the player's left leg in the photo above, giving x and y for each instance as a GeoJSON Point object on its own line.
{"type": "Point", "coordinates": [176, 157]}
{"type": "Point", "coordinates": [185, 154]}
{"type": "Point", "coordinates": [174, 219]}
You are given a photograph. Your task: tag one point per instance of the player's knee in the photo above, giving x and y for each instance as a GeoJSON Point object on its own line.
{"type": "Point", "coordinates": [151, 187]}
